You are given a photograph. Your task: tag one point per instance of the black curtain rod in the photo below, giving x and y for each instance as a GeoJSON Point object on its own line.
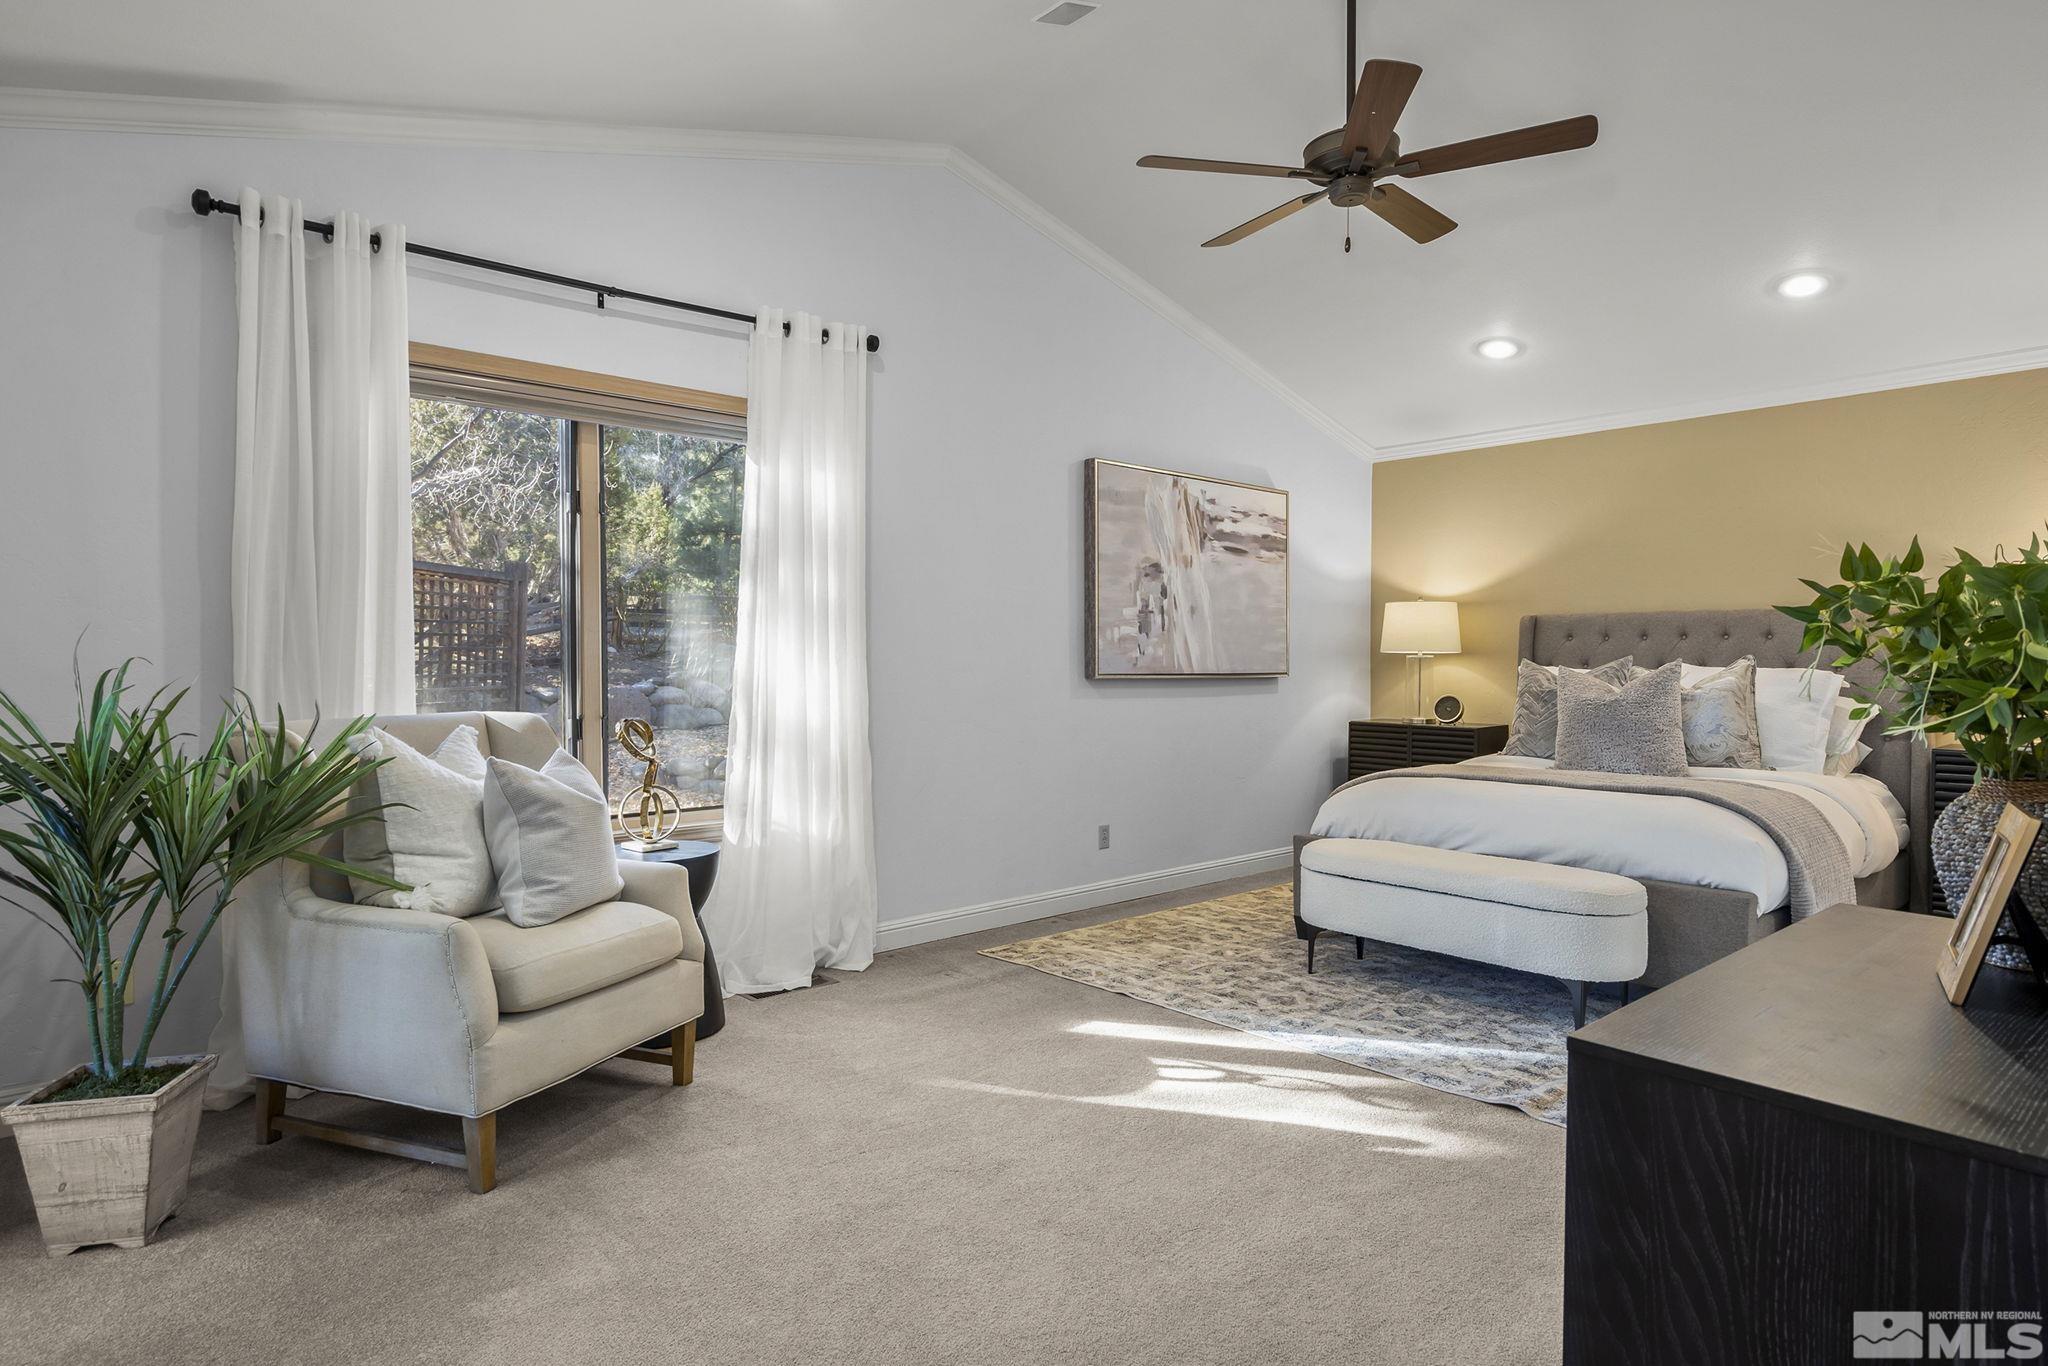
{"type": "Point", "coordinates": [204, 203]}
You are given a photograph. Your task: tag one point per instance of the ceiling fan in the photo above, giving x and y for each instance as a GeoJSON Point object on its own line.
{"type": "Point", "coordinates": [1354, 164]}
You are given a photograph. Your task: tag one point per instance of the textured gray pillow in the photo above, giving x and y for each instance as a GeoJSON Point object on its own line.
{"type": "Point", "coordinates": [1534, 732]}
{"type": "Point", "coordinates": [1637, 727]}
{"type": "Point", "coordinates": [550, 832]}
{"type": "Point", "coordinates": [1720, 719]}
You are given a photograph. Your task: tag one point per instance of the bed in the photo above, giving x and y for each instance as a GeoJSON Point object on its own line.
{"type": "Point", "coordinates": [1715, 882]}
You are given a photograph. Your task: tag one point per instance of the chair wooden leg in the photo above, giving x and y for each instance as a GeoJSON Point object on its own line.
{"type": "Point", "coordinates": [682, 1053]}
{"type": "Point", "coordinates": [480, 1146]}
{"type": "Point", "coordinates": [269, 1105]}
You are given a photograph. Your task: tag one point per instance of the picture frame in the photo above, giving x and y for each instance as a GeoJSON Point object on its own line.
{"type": "Point", "coordinates": [1230, 559]}
{"type": "Point", "coordinates": [1985, 903]}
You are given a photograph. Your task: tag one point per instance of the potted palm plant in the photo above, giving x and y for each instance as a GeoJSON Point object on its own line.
{"type": "Point", "coordinates": [1964, 654]}
{"type": "Point", "coordinates": [113, 835]}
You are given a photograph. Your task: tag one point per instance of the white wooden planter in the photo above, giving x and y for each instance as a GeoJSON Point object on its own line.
{"type": "Point", "coordinates": [109, 1171]}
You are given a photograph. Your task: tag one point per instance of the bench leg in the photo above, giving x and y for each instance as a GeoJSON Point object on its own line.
{"type": "Point", "coordinates": [1578, 990]}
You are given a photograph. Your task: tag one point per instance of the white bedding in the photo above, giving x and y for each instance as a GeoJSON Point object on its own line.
{"type": "Point", "coordinates": [1671, 839]}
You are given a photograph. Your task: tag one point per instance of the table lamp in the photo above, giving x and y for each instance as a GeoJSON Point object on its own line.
{"type": "Point", "coordinates": [1418, 630]}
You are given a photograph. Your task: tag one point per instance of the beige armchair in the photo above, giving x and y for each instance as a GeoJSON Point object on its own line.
{"type": "Point", "coordinates": [459, 1016]}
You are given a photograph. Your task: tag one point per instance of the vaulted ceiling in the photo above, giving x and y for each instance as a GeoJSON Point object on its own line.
{"type": "Point", "coordinates": [1899, 146]}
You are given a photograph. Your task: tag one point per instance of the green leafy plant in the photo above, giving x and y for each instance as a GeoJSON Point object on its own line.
{"type": "Point", "coordinates": [1963, 654]}
{"type": "Point", "coordinates": [121, 829]}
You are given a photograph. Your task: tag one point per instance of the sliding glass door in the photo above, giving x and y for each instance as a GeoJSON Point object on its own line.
{"type": "Point", "coordinates": [671, 580]}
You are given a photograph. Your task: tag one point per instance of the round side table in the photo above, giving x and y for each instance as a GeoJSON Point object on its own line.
{"type": "Point", "coordinates": [699, 858]}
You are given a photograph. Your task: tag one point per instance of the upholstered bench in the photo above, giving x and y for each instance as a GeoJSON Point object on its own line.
{"type": "Point", "coordinates": [1572, 923]}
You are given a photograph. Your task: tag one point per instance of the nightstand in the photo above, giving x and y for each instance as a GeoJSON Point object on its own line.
{"type": "Point", "coordinates": [1380, 745]}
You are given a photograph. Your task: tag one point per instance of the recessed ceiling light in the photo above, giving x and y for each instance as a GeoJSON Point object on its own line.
{"type": "Point", "coordinates": [1803, 284]}
{"type": "Point", "coordinates": [1499, 348]}
{"type": "Point", "coordinates": [1065, 14]}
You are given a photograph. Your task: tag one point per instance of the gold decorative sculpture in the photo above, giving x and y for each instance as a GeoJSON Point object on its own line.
{"type": "Point", "coordinates": [648, 817]}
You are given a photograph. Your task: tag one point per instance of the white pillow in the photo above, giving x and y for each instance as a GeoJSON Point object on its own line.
{"type": "Point", "coordinates": [1793, 714]}
{"type": "Point", "coordinates": [432, 833]}
{"type": "Point", "coordinates": [1845, 736]}
{"type": "Point", "coordinates": [550, 832]}
{"type": "Point", "coordinates": [1848, 761]}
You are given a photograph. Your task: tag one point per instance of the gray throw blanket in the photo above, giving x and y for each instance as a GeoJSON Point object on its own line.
{"type": "Point", "coordinates": [1816, 863]}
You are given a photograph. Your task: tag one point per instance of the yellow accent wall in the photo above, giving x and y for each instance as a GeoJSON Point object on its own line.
{"type": "Point", "coordinates": [1724, 511]}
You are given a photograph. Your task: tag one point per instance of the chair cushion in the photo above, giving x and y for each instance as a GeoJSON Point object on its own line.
{"type": "Point", "coordinates": [1478, 877]}
{"type": "Point", "coordinates": [576, 955]}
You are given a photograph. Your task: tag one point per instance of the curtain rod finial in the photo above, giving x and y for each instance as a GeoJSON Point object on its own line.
{"type": "Point", "coordinates": [202, 203]}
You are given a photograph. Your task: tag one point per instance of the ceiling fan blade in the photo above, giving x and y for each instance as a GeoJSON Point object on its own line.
{"type": "Point", "coordinates": [1224, 167]}
{"type": "Point", "coordinates": [1383, 91]}
{"type": "Point", "coordinates": [1408, 213]}
{"type": "Point", "coordinates": [1264, 220]}
{"type": "Point", "coordinates": [1563, 136]}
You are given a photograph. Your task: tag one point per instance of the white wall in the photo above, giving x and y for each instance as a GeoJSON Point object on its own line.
{"type": "Point", "coordinates": [1006, 362]}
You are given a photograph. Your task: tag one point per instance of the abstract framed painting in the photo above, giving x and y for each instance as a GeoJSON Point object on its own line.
{"type": "Point", "coordinates": [1187, 575]}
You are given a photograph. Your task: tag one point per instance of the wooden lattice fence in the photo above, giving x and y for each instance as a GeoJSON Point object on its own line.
{"type": "Point", "coordinates": [469, 632]}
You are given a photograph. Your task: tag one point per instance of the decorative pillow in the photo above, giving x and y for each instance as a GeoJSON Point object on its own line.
{"type": "Point", "coordinates": [550, 833]}
{"type": "Point", "coordinates": [431, 835]}
{"type": "Point", "coordinates": [1848, 761]}
{"type": "Point", "coordinates": [1719, 714]}
{"type": "Point", "coordinates": [1793, 715]}
{"type": "Point", "coordinates": [1636, 727]}
{"type": "Point", "coordinates": [1845, 737]}
{"type": "Point", "coordinates": [1794, 708]}
{"type": "Point", "coordinates": [1534, 732]}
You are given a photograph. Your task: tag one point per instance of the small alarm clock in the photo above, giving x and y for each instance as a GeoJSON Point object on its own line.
{"type": "Point", "coordinates": [1448, 709]}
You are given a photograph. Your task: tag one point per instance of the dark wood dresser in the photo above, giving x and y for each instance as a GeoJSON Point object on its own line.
{"type": "Point", "coordinates": [1380, 745]}
{"type": "Point", "coordinates": [1799, 1132]}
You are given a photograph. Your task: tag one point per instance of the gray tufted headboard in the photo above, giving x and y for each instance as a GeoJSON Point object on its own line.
{"type": "Point", "coordinates": [1581, 640]}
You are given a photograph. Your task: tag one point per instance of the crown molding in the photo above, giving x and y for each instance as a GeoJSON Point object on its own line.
{"type": "Point", "coordinates": [1908, 377]}
{"type": "Point", "coordinates": [59, 109]}
{"type": "Point", "coordinates": [161, 114]}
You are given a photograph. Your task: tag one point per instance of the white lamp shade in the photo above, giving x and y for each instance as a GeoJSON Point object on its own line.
{"type": "Point", "coordinates": [1420, 628]}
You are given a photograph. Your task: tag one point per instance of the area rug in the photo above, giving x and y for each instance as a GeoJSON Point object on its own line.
{"type": "Point", "coordinates": [1467, 1028]}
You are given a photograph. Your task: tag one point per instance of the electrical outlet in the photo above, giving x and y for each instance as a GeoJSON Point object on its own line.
{"type": "Point", "coordinates": [1102, 837]}
{"type": "Point", "coordinates": [128, 990]}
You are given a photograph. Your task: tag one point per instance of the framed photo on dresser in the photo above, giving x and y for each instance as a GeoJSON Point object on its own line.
{"type": "Point", "coordinates": [1977, 918]}
{"type": "Point", "coordinates": [1187, 575]}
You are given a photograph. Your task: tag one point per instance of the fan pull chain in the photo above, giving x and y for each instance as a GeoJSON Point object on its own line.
{"type": "Point", "coordinates": [1347, 229]}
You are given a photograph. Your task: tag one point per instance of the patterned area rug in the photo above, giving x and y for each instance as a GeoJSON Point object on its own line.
{"type": "Point", "coordinates": [1467, 1028]}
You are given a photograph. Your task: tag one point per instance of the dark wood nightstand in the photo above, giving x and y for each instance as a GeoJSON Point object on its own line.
{"type": "Point", "coordinates": [1380, 745]}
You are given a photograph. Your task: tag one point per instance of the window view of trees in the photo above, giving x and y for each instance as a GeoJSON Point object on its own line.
{"type": "Point", "coordinates": [487, 558]}
{"type": "Point", "coordinates": [671, 571]}
{"type": "Point", "coordinates": [491, 606]}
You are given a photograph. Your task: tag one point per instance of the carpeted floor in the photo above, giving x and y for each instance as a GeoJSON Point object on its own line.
{"type": "Point", "coordinates": [946, 1159]}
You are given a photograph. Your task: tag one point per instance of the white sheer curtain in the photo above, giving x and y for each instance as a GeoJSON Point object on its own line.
{"type": "Point", "coordinates": [322, 560]}
{"type": "Point", "coordinates": [796, 879]}
{"type": "Point", "coordinates": [321, 566]}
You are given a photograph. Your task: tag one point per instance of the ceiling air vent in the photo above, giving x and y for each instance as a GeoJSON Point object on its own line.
{"type": "Point", "coordinates": [1066, 14]}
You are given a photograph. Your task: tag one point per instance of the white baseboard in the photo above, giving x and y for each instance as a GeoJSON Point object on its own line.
{"type": "Point", "coordinates": [990, 915]}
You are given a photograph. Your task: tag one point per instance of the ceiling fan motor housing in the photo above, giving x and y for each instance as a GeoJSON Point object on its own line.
{"type": "Point", "coordinates": [1326, 155]}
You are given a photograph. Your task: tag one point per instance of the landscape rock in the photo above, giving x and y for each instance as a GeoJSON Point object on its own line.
{"type": "Point", "coordinates": [667, 696]}
{"type": "Point", "coordinates": [626, 704]}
